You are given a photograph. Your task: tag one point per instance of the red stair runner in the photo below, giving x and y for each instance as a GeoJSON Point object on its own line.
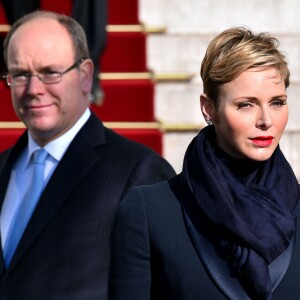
{"type": "Point", "coordinates": [7, 113]}
{"type": "Point", "coordinates": [123, 12]}
{"type": "Point", "coordinates": [125, 52]}
{"type": "Point", "coordinates": [127, 101]}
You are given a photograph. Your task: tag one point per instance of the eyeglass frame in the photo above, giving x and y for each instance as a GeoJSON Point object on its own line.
{"type": "Point", "coordinates": [9, 78]}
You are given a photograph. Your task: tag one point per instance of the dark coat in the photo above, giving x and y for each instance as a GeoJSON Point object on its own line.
{"type": "Point", "coordinates": [154, 256]}
{"type": "Point", "coordinates": [64, 252]}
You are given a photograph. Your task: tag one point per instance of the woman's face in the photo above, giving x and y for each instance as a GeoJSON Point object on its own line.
{"type": "Point", "coordinates": [252, 114]}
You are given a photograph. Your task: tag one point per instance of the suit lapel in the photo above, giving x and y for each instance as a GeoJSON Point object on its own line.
{"type": "Point", "coordinates": [215, 266]}
{"type": "Point", "coordinates": [79, 158]}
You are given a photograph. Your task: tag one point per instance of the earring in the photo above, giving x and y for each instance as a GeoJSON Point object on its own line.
{"type": "Point", "coordinates": [209, 122]}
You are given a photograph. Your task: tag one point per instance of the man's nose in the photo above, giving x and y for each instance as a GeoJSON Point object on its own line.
{"type": "Point", "coordinates": [35, 84]}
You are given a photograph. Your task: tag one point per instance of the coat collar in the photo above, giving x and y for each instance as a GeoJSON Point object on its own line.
{"type": "Point", "coordinates": [218, 270]}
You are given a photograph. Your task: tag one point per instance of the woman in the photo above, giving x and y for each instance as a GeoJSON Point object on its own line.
{"type": "Point", "coordinates": [225, 228]}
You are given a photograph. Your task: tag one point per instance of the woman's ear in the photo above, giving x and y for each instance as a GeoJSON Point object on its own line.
{"type": "Point", "coordinates": [86, 75]}
{"type": "Point", "coordinates": [207, 108]}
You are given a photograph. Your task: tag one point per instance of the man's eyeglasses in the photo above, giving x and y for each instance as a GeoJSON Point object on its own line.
{"type": "Point", "coordinates": [46, 77]}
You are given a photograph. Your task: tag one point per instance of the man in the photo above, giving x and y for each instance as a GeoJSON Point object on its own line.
{"type": "Point", "coordinates": [63, 251]}
{"type": "Point", "coordinates": [91, 15]}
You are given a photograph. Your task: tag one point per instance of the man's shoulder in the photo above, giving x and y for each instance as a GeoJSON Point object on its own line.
{"type": "Point", "coordinates": [4, 154]}
{"type": "Point", "coordinates": [124, 144]}
{"type": "Point", "coordinates": [150, 167]}
{"type": "Point", "coordinates": [95, 134]}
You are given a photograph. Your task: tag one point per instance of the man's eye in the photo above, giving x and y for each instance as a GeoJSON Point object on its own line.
{"type": "Point", "coordinates": [20, 76]}
{"type": "Point", "coordinates": [51, 74]}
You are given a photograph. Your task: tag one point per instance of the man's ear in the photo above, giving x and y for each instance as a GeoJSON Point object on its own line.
{"type": "Point", "coordinates": [207, 108]}
{"type": "Point", "coordinates": [86, 74]}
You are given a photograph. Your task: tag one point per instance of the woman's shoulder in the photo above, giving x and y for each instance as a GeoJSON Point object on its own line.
{"type": "Point", "coordinates": [152, 210]}
{"type": "Point", "coordinates": [157, 197]}
{"type": "Point", "coordinates": [155, 192]}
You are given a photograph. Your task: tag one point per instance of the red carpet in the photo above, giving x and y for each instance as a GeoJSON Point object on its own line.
{"type": "Point", "coordinates": [7, 113]}
{"type": "Point", "coordinates": [123, 12]}
{"type": "Point", "coordinates": [3, 19]}
{"type": "Point", "coordinates": [60, 6]}
{"type": "Point", "coordinates": [125, 52]}
{"type": "Point", "coordinates": [127, 101]}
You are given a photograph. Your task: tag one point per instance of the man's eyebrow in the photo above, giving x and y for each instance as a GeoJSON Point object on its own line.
{"type": "Point", "coordinates": [17, 69]}
{"type": "Point", "coordinates": [40, 69]}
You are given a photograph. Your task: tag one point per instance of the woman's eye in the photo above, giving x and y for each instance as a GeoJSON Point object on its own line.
{"type": "Point", "coordinates": [278, 103]}
{"type": "Point", "coordinates": [244, 105]}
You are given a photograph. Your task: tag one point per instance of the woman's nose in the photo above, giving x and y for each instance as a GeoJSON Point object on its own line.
{"type": "Point", "coordinates": [264, 119]}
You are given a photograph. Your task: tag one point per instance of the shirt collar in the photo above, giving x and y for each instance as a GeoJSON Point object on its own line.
{"type": "Point", "coordinates": [58, 147]}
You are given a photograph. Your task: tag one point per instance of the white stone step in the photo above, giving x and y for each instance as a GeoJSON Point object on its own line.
{"type": "Point", "coordinates": [202, 16]}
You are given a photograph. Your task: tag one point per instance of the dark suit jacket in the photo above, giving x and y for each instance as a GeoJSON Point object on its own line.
{"type": "Point", "coordinates": [155, 257]}
{"type": "Point", "coordinates": [64, 252]}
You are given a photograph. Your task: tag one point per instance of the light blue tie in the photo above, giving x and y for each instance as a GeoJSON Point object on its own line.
{"type": "Point", "coordinates": [27, 206]}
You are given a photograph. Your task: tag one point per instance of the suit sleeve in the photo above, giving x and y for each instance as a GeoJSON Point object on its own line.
{"type": "Point", "coordinates": [150, 170]}
{"type": "Point", "coordinates": [130, 274]}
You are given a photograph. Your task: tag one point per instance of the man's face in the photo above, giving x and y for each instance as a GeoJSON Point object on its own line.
{"type": "Point", "coordinates": [48, 110]}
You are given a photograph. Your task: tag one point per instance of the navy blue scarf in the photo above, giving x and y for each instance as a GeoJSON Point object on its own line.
{"type": "Point", "coordinates": [251, 205]}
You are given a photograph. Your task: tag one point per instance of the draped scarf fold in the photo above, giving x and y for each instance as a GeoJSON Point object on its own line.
{"type": "Point", "coordinates": [252, 205]}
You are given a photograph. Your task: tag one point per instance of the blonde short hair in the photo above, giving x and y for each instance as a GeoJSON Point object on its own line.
{"type": "Point", "coordinates": [236, 50]}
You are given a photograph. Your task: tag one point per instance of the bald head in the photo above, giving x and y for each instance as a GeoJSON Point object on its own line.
{"type": "Point", "coordinates": [73, 28]}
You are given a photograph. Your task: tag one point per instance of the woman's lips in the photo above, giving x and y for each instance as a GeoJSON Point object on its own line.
{"type": "Point", "coordinates": [262, 141]}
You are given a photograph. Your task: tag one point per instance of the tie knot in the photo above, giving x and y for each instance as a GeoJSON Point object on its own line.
{"type": "Point", "coordinates": [39, 156]}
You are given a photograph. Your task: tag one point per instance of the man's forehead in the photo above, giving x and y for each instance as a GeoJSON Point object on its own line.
{"type": "Point", "coordinates": [47, 27]}
{"type": "Point", "coordinates": [35, 43]}
{"type": "Point", "coordinates": [41, 31]}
